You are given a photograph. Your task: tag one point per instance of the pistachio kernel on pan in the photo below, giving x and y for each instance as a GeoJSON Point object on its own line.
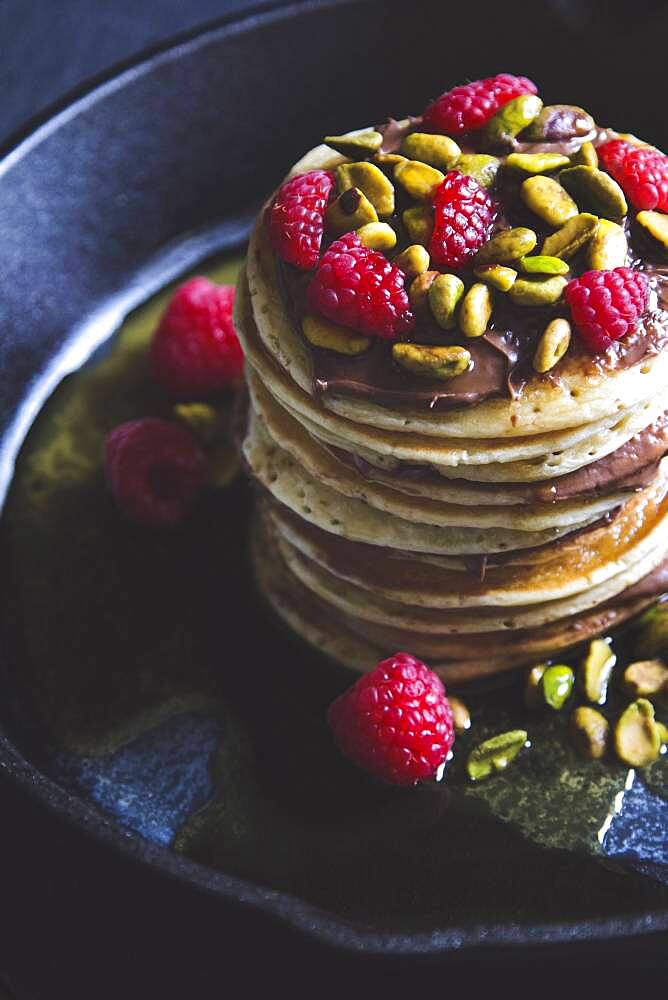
{"type": "Point", "coordinates": [497, 275]}
{"type": "Point", "coordinates": [495, 754]}
{"type": "Point", "coordinates": [656, 224]}
{"type": "Point", "coordinates": [595, 671]}
{"type": "Point", "coordinates": [433, 362]}
{"type": "Point", "coordinates": [419, 290]}
{"type": "Point", "coordinates": [444, 294]}
{"type": "Point", "coordinates": [533, 695]}
{"type": "Point", "coordinates": [540, 264]}
{"type": "Point", "coordinates": [350, 210]}
{"type": "Point", "coordinates": [460, 714]}
{"type": "Point", "coordinates": [567, 241]}
{"type": "Point", "coordinates": [548, 200]}
{"type": "Point", "coordinates": [595, 191]}
{"type": "Point", "coordinates": [437, 150]}
{"type": "Point", "coordinates": [590, 732]}
{"type": "Point", "coordinates": [544, 292]}
{"type": "Point", "coordinates": [377, 236]}
{"type": "Point", "coordinates": [355, 144]}
{"type": "Point", "coordinates": [418, 179]}
{"type": "Point", "coordinates": [476, 310]}
{"type": "Point", "coordinates": [201, 418]}
{"type": "Point", "coordinates": [536, 163]}
{"type": "Point", "coordinates": [507, 247]}
{"type": "Point", "coordinates": [322, 332]}
{"type": "Point", "coordinates": [637, 735]}
{"type": "Point", "coordinates": [552, 346]}
{"type": "Point", "coordinates": [482, 167]}
{"type": "Point", "coordinates": [586, 156]}
{"type": "Point", "coordinates": [419, 223]}
{"type": "Point", "coordinates": [608, 248]}
{"type": "Point", "coordinates": [557, 685]}
{"type": "Point", "coordinates": [371, 180]}
{"type": "Point", "coordinates": [510, 120]}
{"type": "Point", "coordinates": [646, 679]}
{"type": "Point", "coordinates": [389, 159]}
{"type": "Point", "coordinates": [413, 260]}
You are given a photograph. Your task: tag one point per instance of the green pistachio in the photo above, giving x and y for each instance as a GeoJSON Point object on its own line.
{"type": "Point", "coordinates": [637, 736]}
{"type": "Point", "coordinates": [441, 363]}
{"type": "Point", "coordinates": [419, 223]}
{"type": "Point", "coordinates": [590, 731]}
{"type": "Point", "coordinates": [547, 199]}
{"type": "Point", "coordinates": [480, 166]}
{"type": "Point", "coordinates": [559, 121]}
{"type": "Point", "coordinates": [413, 260]}
{"type": "Point", "coordinates": [567, 241]}
{"type": "Point", "coordinates": [437, 150]}
{"type": "Point", "coordinates": [507, 247]}
{"type": "Point", "coordinates": [536, 163]}
{"type": "Point", "coordinates": [388, 159]}
{"type": "Point", "coordinates": [533, 691]}
{"type": "Point", "coordinates": [350, 210]}
{"type": "Point", "coordinates": [543, 265]}
{"type": "Point", "coordinates": [475, 311]}
{"type": "Point", "coordinates": [595, 190]}
{"type": "Point", "coordinates": [444, 295]}
{"type": "Point", "coordinates": [377, 236]}
{"type": "Point", "coordinates": [652, 637]}
{"type": "Point", "coordinates": [322, 332]}
{"type": "Point", "coordinates": [418, 179]}
{"type": "Point", "coordinates": [596, 670]}
{"type": "Point", "coordinates": [495, 754]}
{"type": "Point", "coordinates": [356, 144]}
{"type": "Point", "coordinates": [460, 714]}
{"type": "Point", "coordinates": [544, 292]}
{"type": "Point", "coordinates": [646, 679]}
{"type": "Point", "coordinates": [496, 275]}
{"type": "Point", "coordinates": [510, 120]}
{"type": "Point", "coordinates": [201, 418]}
{"type": "Point", "coordinates": [552, 346]}
{"type": "Point", "coordinates": [418, 293]}
{"type": "Point", "coordinates": [608, 248]}
{"type": "Point", "coordinates": [557, 685]}
{"type": "Point", "coordinates": [371, 180]}
{"type": "Point", "coordinates": [586, 156]}
{"type": "Point", "coordinates": [656, 224]}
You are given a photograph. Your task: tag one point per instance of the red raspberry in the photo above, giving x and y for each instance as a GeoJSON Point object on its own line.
{"type": "Point", "coordinates": [155, 469]}
{"type": "Point", "coordinates": [469, 107]}
{"type": "Point", "coordinates": [395, 722]}
{"type": "Point", "coordinates": [195, 351]}
{"type": "Point", "coordinates": [642, 173]}
{"type": "Point", "coordinates": [606, 305]}
{"type": "Point", "coordinates": [359, 288]}
{"type": "Point", "coordinates": [296, 219]}
{"type": "Point", "coordinates": [463, 218]}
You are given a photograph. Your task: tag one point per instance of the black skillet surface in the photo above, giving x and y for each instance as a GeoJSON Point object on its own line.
{"type": "Point", "coordinates": [187, 142]}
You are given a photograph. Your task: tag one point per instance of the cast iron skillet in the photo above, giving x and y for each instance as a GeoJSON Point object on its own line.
{"type": "Point", "coordinates": [162, 164]}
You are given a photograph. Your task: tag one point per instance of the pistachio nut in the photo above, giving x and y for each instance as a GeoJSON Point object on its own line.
{"type": "Point", "coordinates": [559, 121]}
{"type": "Point", "coordinates": [482, 167]}
{"type": "Point", "coordinates": [539, 292]}
{"type": "Point", "coordinates": [322, 332]}
{"type": "Point", "coordinates": [418, 179]}
{"type": "Point", "coordinates": [568, 240]}
{"type": "Point", "coordinates": [507, 247]}
{"type": "Point", "coordinates": [418, 293]}
{"type": "Point", "coordinates": [371, 180]}
{"type": "Point", "coordinates": [656, 224]}
{"type": "Point", "coordinates": [413, 260]}
{"type": "Point", "coordinates": [444, 295]}
{"type": "Point", "coordinates": [388, 159]}
{"type": "Point", "coordinates": [434, 362]}
{"type": "Point", "coordinates": [547, 199]}
{"type": "Point", "coordinates": [510, 120]}
{"type": "Point", "coordinates": [475, 311]}
{"type": "Point", "coordinates": [536, 163]}
{"type": "Point", "coordinates": [552, 346]}
{"type": "Point", "coordinates": [646, 679]}
{"type": "Point", "coordinates": [652, 636]}
{"type": "Point", "coordinates": [359, 143]}
{"type": "Point", "coordinates": [533, 692]}
{"type": "Point", "coordinates": [496, 275]}
{"type": "Point", "coordinates": [460, 714]}
{"type": "Point", "coordinates": [595, 190]}
{"type": "Point", "coordinates": [596, 670]}
{"type": "Point", "coordinates": [608, 247]}
{"type": "Point", "coordinates": [586, 156]}
{"type": "Point", "coordinates": [437, 150]}
{"type": "Point", "coordinates": [495, 754]}
{"type": "Point", "coordinates": [557, 685]}
{"type": "Point", "coordinates": [201, 418]}
{"type": "Point", "coordinates": [419, 223]}
{"type": "Point", "coordinates": [540, 264]}
{"type": "Point", "coordinates": [590, 731]}
{"type": "Point", "coordinates": [350, 210]}
{"type": "Point", "coordinates": [637, 736]}
{"type": "Point", "coordinates": [377, 236]}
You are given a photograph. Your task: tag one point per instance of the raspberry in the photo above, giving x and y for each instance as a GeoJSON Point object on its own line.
{"type": "Point", "coordinates": [642, 173]}
{"type": "Point", "coordinates": [469, 107]}
{"type": "Point", "coordinates": [463, 218]}
{"type": "Point", "coordinates": [296, 219]}
{"type": "Point", "coordinates": [359, 288]}
{"type": "Point", "coordinates": [195, 351]}
{"type": "Point", "coordinates": [606, 305]}
{"type": "Point", "coordinates": [155, 469]}
{"type": "Point", "coordinates": [395, 722]}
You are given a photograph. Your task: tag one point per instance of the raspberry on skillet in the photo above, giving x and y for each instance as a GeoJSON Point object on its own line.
{"type": "Point", "coordinates": [296, 218]}
{"type": "Point", "coordinates": [395, 722]}
{"type": "Point", "coordinates": [470, 106]}
{"type": "Point", "coordinates": [606, 305]}
{"type": "Point", "coordinates": [360, 289]}
{"type": "Point", "coordinates": [641, 172]}
{"type": "Point", "coordinates": [463, 218]}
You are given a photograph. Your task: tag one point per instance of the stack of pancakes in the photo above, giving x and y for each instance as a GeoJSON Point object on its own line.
{"type": "Point", "coordinates": [480, 530]}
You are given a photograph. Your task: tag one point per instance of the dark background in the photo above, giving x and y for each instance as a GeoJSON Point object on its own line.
{"type": "Point", "coordinates": [75, 920]}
